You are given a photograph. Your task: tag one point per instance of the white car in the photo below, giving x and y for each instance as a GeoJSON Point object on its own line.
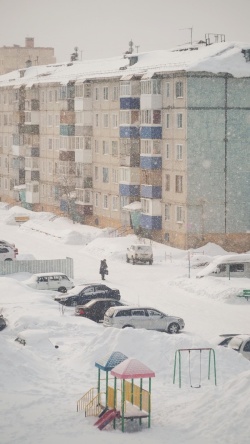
{"type": "Point", "coordinates": [142, 317]}
{"type": "Point", "coordinates": [50, 281]}
{"type": "Point", "coordinates": [7, 253]}
{"type": "Point", "coordinates": [241, 344]}
{"type": "Point", "coordinates": [140, 253]}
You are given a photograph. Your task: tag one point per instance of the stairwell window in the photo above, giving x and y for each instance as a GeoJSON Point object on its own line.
{"type": "Point", "coordinates": [179, 120]}
{"type": "Point", "coordinates": [179, 184]}
{"type": "Point", "coordinates": [167, 182]}
{"type": "Point", "coordinates": [105, 175]}
{"type": "Point", "coordinates": [167, 212]}
{"type": "Point", "coordinates": [179, 152]}
{"type": "Point", "coordinates": [179, 214]}
{"type": "Point", "coordinates": [167, 120]}
{"type": "Point", "coordinates": [179, 89]}
{"type": "Point", "coordinates": [145, 206]}
{"type": "Point", "coordinates": [105, 201]}
{"type": "Point", "coordinates": [115, 203]}
{"type": "Point", "coordinates": [105, 93]}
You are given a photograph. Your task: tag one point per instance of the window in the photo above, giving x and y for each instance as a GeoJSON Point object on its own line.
{"type": "Point", "coordinates": [235, 268]}
{"type": "Point", "coordinates": [179, 89]}
{"type": "Point", "coordinates": [167, 89]}
{"type": "Point", "coordinates": [105, 120]}
{"type": "Point", "coordinates": [167, 120]}
{"type": "Point", "coordinates": [97, 120]}
{"type": "Point", "coordinates": [115, 93]}
{"type": "Point", "coordinates": [125, 117]}
{"type": "Point", "coordinates": [87, 143]}
{"type": "Point", "coordinates": [96, 93]}
{"type": "Point", "coordinates": [105, 93]}
{"type": "Point", "coordinates": [105, 201]}
{"type": "Point", "coordinates": [114, 120]}
{"type": "Point", "coordinates": [146, 117]}
{"type": "Point", "coordinates": [125, 174]}
{"type": "Point", "coordinates": [156, 86]}
{"type": "Point", "coordinates": [96, 173]}
{"type": "Point", "coordinates": [167, 151]}
{"type": "Point", "coordinates": [145, 146]}
{"type": "Point", "coordinates": [179, 152]}
{"type": "Point", "coordinates": [114, 147]}
{"type": "Point", "coordinates": [167, 212]}
{"type": "Point", "coordinates": [167, 182]}
{"type": "Point", "coordinates": [145, 206]}
{"type": "Point", "coordinates": [125, 88]}
{"type": "Point", "coordinates": [166, 237]}
{"type": "Point", "coordinates": [178, 184]}
{"type": "Point", "coordinates": [115, 202]}
{"type": "Point", "coordinates": [87, 90]}
{"type": "Point", "coordinates": [124, 201]}
{"type": "Point", "coordinates": [79, 90]}
{"type": "Point", "coordinates": [105, 147]}
{"type": "Point", "coordinates": [115, 175]}
{"type": "Point", "coordinates": [96, 199]}
{"type": "Point", "coordinates": [50, 144]}
{"type": "Point", "coordinates": [96, 146]}
{"type": "Point", "coordinates": [179, 214]}
{"type": "Point", "coordinates": [50, 96]}
{"type": "Point", "coordinates": [156, 117]}
{"type": "Point", "coordinates": [179, 120]}
{"type": "Point", "coordinates": [105, 175]}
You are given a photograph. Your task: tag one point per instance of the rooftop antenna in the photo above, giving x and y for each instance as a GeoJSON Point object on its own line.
{"type": "Point", "coordinates": [131, 44]}
{"type": "Point", "coordinates": [191, 33]}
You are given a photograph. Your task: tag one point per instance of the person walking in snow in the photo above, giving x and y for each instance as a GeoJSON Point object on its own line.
{"type": "Point", "coordinates": [103, 269]}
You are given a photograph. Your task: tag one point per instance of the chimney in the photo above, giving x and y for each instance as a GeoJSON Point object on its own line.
{"type": "Point", "coordinates": [29, 42]}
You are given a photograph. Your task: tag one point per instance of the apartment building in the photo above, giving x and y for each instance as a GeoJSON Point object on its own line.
{"type": "Point", "coordinates": [17, 57]}
{"type": "Point", "coordinates": [163, 136]}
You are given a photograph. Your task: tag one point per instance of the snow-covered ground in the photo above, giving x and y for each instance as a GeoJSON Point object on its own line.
{"type": "Point", "coordinates": [40, 383]}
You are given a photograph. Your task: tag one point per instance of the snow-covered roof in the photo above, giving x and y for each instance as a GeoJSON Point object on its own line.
{"type": "Point", "coordinates": [132, 368]}
{"type": "Point", "coordinates": [224, 57]}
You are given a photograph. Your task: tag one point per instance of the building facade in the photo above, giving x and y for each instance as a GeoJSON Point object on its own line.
{"type": "Point", "coordinates": [18, 57]}
{"type": "Point", "coordinates": [175, 140]}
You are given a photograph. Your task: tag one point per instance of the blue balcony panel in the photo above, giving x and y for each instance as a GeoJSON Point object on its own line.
{"type": "Point", "coordinates": [129, 190]}
{"type": "Point", "coordinates": [151, 222]}
{"type": "Point", "coordinates": [150, 191]}
{"type": "Point", "coordinates": [129, 132]}
{"type": "Point", "coordinates": [129, 103]}
{"type": "Point", "coordinates": [150, 163]}
{"type": "Point", "coordinates": [67, 130]}
{"type": "Point", "coordinates": [151, 132]}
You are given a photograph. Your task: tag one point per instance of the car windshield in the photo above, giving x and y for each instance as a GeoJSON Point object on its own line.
{"type": "Point", "coordinates": [76, 290]}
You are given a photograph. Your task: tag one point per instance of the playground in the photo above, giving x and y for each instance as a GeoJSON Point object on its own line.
{"type": "Point", "coordinates": [119, 399]}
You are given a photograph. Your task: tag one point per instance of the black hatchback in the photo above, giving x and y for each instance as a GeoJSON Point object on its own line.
{"type": "Point", "coordinates": [81, 294]}
{"type": "Point", "coordinates": [96, 308]}
{"type": "Point", "coordinates": [2, 323]}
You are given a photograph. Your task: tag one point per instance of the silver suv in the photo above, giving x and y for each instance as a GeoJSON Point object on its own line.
{"type": "Point", "coordinates": [142, 317]}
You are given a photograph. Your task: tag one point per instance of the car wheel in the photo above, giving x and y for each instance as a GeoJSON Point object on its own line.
{"type": "Point", "coordinates": [125, 326]}
{"type": "Point", "coordinates": [62, 289]}
{"type": "Point", "coordinates": [173, 328]}
{"type": "Point", "coordinates": [127, 259]}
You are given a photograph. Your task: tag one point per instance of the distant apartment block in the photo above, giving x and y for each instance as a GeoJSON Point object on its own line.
{"type": "Point", "coordinates": [17, 57]}
{"type": "Point", "coordinates": [157, 142]}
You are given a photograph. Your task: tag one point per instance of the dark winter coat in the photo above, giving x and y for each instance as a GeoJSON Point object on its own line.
{"type": "Point", "coordinates": [103, 267]}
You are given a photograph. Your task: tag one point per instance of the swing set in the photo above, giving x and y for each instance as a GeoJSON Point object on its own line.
{"type": "Point", "coordinates": [177, 359]}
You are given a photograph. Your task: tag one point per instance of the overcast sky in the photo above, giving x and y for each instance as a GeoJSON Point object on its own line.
{"type": "Point", "coordinates": [103, 28]}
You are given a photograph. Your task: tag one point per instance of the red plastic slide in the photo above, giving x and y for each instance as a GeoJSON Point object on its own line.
{"type": "Point", "coordinates": [106, 418]}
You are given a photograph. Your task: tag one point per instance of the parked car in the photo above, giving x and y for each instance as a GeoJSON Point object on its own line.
{"type": "Point", "coordinates": [50, 281]}
{"type": "Point", "coordinates": [82, 294]}
{"type": "Point", "coordinates": [140, 253]}
{"type": "Point", "coordinates": [3, 323]}
{"type": "Point", "coordinates": [96, 308]}
{"type": "Point", "coordinates": [142, 317]}
{"type": "Point", "coordinates": [7, 253]}
{"type": "Point", "coordinates": [241, 344]}
{"type": "Point", "coordinates": [10, 245]}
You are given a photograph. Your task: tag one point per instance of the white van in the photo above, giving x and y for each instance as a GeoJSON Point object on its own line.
{"type": "Point", "coordinates": [140, 253]}
{"type": "Point", "coordinates": [50, 281]}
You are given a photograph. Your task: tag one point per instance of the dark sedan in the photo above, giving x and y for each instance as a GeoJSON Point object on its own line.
{"type": "Point", "coordinates": [81, 294]}
{"type": "Point", "coordinates": [96, 308]}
